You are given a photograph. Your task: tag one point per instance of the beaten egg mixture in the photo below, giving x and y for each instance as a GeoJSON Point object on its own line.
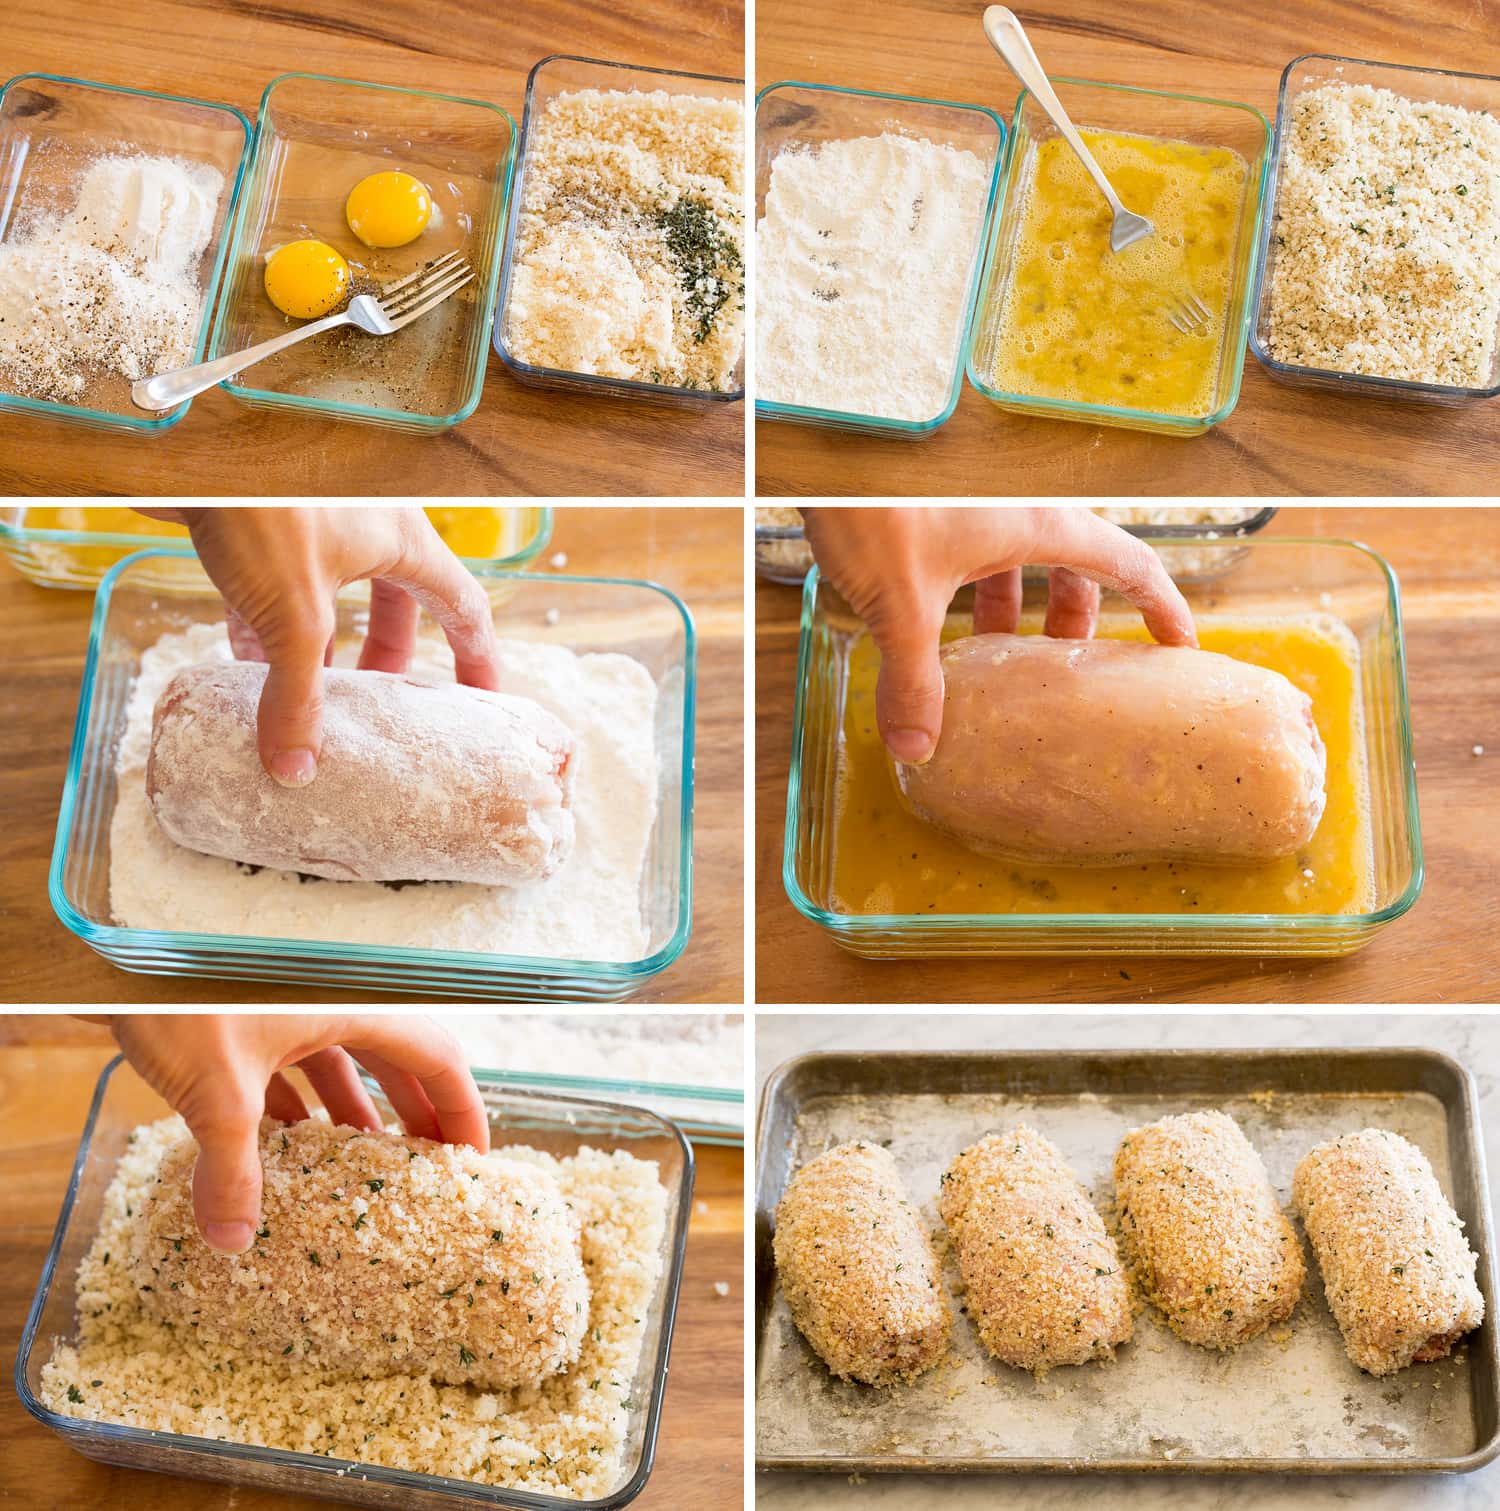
{"type": "Point", "coordinates": [885, 860]}
{"type": "Point", "coordinates": [1083, 323]}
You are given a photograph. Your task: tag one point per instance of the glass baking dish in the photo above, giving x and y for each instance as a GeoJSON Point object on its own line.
{"type": "Point", "coordinates": [1148, 112]}
{"type": "Point", "coordinates": [73, 546]}
{"type": "Point", "coordinates": [559, 1125]}
{"type": "Point", "coordinates": [134, 608]}
{"type": "Point", "coordinates": [1470, 91]}
{"type": "Point", "coordinates": [1274, 577]}
{"type": "Point", "coordinates": [557, 75]}
{"type": "Point", "coordinates": [51, 127]}
{"type": "Point", "coordinates": [315, 138]}
{"type": "Point", "coordinates": [792, 114]}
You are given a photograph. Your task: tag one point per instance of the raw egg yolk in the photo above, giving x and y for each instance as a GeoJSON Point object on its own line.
{"type": "Point", "coordinates": [388, 209]}
{"type": "Point", "coordinates": [306, 279]}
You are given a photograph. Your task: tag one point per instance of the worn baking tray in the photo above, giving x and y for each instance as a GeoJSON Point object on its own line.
{"type": "Point", "coordinates": [1287, 1402]}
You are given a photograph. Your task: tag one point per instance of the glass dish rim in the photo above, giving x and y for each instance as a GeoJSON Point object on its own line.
{"type": "Point", "coordinates": [1373, 382]}
{"type": "Point", "coordinates": [625, 387]}
{"type": "Point", "coordinates": [25, 533]}
{"type": "Point", "coordinates": [339, 408]}
{"type": "Point", "coordinates": [771, 409]}
{"type": "Point", "coordinates": [1061, 924]}
{"type": "Point", "coordinates": [1252, 523]}
{"type": "Point", "coordinates": [144, 424]}
{"type": "Point", "coordinates": [1048, 408]}
{"type": "Point", "coordinates": [335, 953]}
{"type": "Point", "coordinates": [522, 1500]}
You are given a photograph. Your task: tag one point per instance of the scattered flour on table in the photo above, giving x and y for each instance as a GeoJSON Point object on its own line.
{"type": "Point", "coordinates": [112, 285]}
{"type": "Point", "coordinates": [863, 260]}
{"type": "Point", "coordinates": [567, 1437]}
{"type": "Point", "coordinates": [589, 910]}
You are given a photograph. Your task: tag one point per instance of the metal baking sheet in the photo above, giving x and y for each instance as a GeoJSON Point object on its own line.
{"type": "Point", "coordinates": [1289, 1401]}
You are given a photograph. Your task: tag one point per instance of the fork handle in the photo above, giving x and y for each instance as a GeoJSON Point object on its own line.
{"type": "Point", "coordinates": [169, 389]}
{"type": "Point", "coordinates": [1008, 38]}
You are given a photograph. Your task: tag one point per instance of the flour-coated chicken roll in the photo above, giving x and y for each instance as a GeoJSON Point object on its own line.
{"type": "Point", "coordinates": [415, 782]}
{"type": "Point", "coordinates": [1100, 752]}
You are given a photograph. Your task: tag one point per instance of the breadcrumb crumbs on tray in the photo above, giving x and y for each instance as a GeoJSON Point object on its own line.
{"type": "Point", "coordinates": [566, 1437]}
{"type": "Point", "coordinates": [1386, 242]}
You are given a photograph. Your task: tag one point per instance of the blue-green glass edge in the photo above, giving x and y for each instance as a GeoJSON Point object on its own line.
{"type": "Point", "coordinates": [106, 418]}
{"type": "Point", "coordinates": [337, 408]}
{"type": "Point", "coordinates": [98, 935]}
{"type": "Point", "coordinates": [471, 1490]}
{"type": "Point", "coordinates": [945, 923]}
{"type": "Point", "coordinates": [769, 409]}
{"type": "Point", "coordinates": [1395, 388]}
{"type": "Point", "coordinates": [1058, 409]}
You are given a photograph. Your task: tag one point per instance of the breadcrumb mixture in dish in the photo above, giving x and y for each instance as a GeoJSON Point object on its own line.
{"type": "Point", "coordinates": [1386, 246]}
{"type": "Point", "coordinates": [565, 1437]}
{"type": "Point", "coordinates": [629, 257]}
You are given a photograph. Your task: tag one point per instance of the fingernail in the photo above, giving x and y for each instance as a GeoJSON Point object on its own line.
{"type": "Point", "coordinates": [228, 1237]}
{"type": "Point", "coordinates": [294, 768]}
{"type": "Point", "coordinates": [912, 747]}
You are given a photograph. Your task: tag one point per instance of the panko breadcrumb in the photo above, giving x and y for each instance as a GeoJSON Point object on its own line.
{"type": "Point", "coordinates": [1397, 1269]}
{"type": "Point", "coordinates": [857, 1268]}
{"type": "Point", "coordinates": [629, 255]}
{"type": "Point", "coordinates": [376, 1255]}
{"type": "Point", "coordinates": [1203, 1231]}
{"type": "Point", "coordinates": [1044, 1281]}
{"type": "Point", "coordinates": [1387, 238]}
{"type": "Point", "coordinates": [565, 1438]}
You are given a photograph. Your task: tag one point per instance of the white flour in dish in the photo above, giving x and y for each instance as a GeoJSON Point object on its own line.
{"type": "Point", "coordinates": [589, 910]}
{"type": "Point", "coordinates": [863, 259]}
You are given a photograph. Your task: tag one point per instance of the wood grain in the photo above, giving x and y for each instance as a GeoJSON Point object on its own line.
{"type": "Point", "coordinates": [697, 553]}
{"type": "Point", "coordinates": [521, 440]}
{"type": "Point", "coordinates": [1448, 562]}
{"type": "Point", "coordinates": [1279, 440]}
{"type": "Point", "coordinates": [44, 1096]}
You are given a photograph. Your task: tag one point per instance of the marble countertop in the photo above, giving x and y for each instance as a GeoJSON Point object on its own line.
{"type": "Point", "coordinates": [1472, 1039]}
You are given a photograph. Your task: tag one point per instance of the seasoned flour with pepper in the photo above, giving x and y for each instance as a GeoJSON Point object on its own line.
{"type": "Point", "coordinates": [589, 910]}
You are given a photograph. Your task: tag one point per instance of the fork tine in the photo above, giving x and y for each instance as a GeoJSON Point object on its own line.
{"type": "Point", "coordinates": [453, 279]}
{"type": "Point", "coordinates": [419, 291]}
{"type": "Point", "coordinates": [436, 300]}
{"type": "Point", "coordinates": [426, 270]}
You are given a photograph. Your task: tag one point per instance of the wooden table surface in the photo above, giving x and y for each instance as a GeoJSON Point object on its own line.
{"type": "Point", "coordinates": [47, 1073]}
{"type": "Point", "coordinates": [698, 553]}
{"type": "Point", "coordinates": [521, 440]}
{"type": "Point", "coordinates": [1279, 440]}
{"type": "Point", "coordinates": [1448, 563]}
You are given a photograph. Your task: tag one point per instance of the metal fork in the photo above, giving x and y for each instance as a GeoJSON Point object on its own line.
{"type": "Point", "coordinates": [1009, 39]}
{"type": "Point", "coordinates": [397, 305]}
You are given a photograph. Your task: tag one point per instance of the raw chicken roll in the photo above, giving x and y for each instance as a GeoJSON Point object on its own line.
{"type": "Point", "coordinates": [1099, 752]}
{"type": "Point", "coordinates": [1201, 1226]}
{"type": "Point", "coordinates": [1045, 1284]}
{"type": "Point", "coordinates": [857, 1269]}
{"type": "Point", "coordinates": [415, 782]}
{"type": "Point", "coordinates": [1397, 1269]}
{"type": "Point", "coordinates": [376, 1255]}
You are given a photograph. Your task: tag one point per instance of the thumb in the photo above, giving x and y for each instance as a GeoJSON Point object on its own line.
{"type": "Point", "coordinates": [227, 1182]}
{"type": "Point", "coordinates": [290, 722]}
{"type": "Point", "coordinates": [909, 692]}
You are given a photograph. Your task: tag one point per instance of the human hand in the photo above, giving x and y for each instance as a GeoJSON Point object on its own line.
{"type": "Point", "coordinates": [223, 1072]}
{"type": "Point", "coordinates": [899, 569]}
{"type": "Point", "coordinates": [279, 570]}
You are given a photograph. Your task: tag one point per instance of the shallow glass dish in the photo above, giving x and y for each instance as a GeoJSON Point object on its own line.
{"type": "Point", "coordinates": [51, 128]}
{"type": "Point", "coordinates": [1272, 578]}
{"type": "Point", "coordinates": [560, 74]}
{"type": "Point", "coordinates": [559, 1125]}
{"type": "Point", "coordinates": [64, 549]}
{"type": "Point", "coordinates": [315, 138]}
{"type": "Point", "coordinates": [134, 608]}
{"type": "Point", "coordinates": [792, 114]}
{"type": "Point", "coordinates": [1143, 112]}
{"type": "Point", "coordinates": [1470, 91]}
